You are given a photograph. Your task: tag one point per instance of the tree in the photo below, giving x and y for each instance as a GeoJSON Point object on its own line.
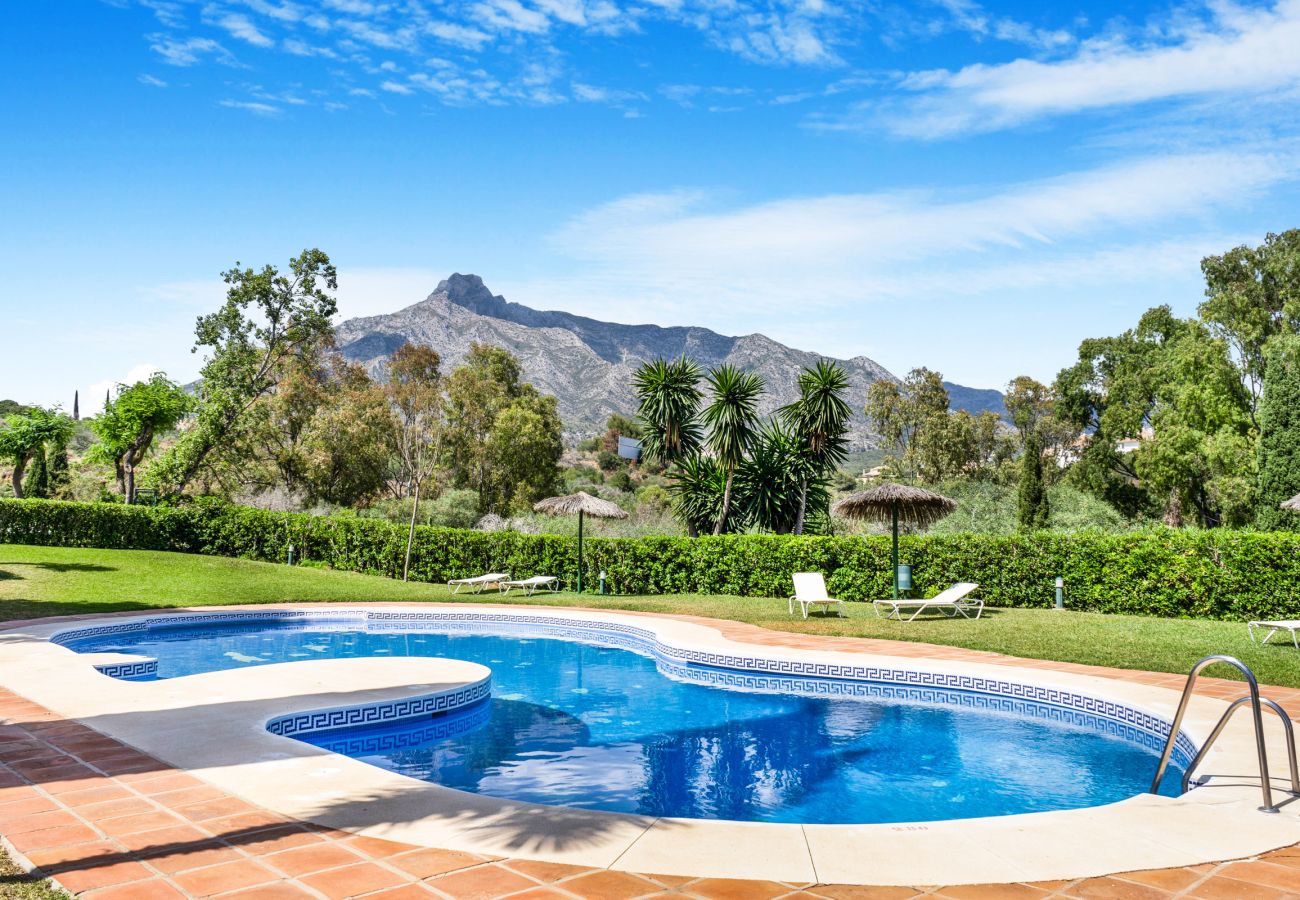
{"type": "Point", "coordinates": [696, 491]}
{"type": "Point", "coordinates": [415, 391]}
{"type": "Point", "coordinates": [503, 437]}
{"type": "Point", "coordinates": [669, 398]}
{"type": "Point", "coordinates": [910, 416]}
{"type": "Point", "coordinates": [36, 484]}
{"type": "Point", "coordinates": [267, 317]}
{"type": "Point", "coordinates": [23, 434]}
{"type": "Point", "coordinates": [732, 418]}
{"type": "Point", "coordinates": [1279, 436]}
{"type": "Point", "coordinates": [779, 481]}
{"type": "Point", "coordinates": [349, 439]}
{"type": "Point", "coordinates": [127, 427]}
{"type": "Point", "coordinates": [1033, 510]}
{"type": "Point", "coordinates": [1252, 294]}
{"type": "Point", "coordinates": [58, 460]}
{"type": "Point", "coordinates": [819, 418]}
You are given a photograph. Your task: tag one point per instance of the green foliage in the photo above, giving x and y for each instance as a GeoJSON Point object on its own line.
{"type": "Point", "coordinates": [268, 317]}
{"type": "Point", "coordinates": [22, 435]}
{"type": "Point", "coordinates": [732, 418]}
{"type": "Point", "coordinates": [36, 484]}
{"type": "Point", "coordinates": [771, 483]}
{"type": "Point", "coordinates": [60, 476]}
{"type": "Point", "coordinates": [1253, 294]}
{"type": "Point", "coordinates": [128, 425]}
{"type": "Point", "coordinates": [819, 420]}
{"type": "Point", "coordinates": [1219, 573]}
{"type": "Point", "coordinates": [1032, 509]}
{"type": "Point", "coordinates": [1279, 435]}
{"type": "Point", "coordinates": [669, 395]}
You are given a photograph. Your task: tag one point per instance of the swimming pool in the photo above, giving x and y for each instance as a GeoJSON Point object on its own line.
{"type": "Point", "coordinates": [606, 719]}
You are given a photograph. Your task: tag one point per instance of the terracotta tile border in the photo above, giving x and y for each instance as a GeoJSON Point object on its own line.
{"type": "Point", "coordinates": [109, 823]}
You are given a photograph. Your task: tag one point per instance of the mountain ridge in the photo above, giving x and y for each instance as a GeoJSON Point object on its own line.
{"type": "Point", "coordinates": [588, 363]}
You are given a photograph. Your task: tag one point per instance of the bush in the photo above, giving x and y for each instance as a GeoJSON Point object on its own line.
{"type": "Point", "coordinates": [1206, 574]}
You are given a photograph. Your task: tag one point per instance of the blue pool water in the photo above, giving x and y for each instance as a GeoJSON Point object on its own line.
{"type": "Point", "coordinates": [577, 722]}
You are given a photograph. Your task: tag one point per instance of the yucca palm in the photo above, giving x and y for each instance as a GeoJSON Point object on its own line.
{"type": "Point", "coordinates": [732, 418]}
{"type": "Point", "coordinates": [820, 419]}
{"type": "Point", "coordinates": [697, 488]}
{"type": "Point", "coordinates": [770, 482]}
{"type": "Point", "coordinates": [669, 396]}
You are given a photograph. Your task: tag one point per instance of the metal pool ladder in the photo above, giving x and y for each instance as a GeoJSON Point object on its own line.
{"type": "Point", "coordinates": [1257, 706]}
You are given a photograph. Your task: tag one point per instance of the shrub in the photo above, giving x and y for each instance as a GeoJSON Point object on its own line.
{"type": "Point", "coordinates": [1221, 573]}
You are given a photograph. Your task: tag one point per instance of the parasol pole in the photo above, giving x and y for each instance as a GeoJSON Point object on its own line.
{"type": "Point", "coordinates": [893, 556]}
{"type": "Point", "coordinates": [579, 551]}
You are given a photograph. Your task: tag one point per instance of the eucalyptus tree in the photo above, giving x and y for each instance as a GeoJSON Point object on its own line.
{"type": "Point", "coordinates": [268, 316]}
{"type": "Point", "coordinates": [732, 419]}
{"type": "Point", "coordinates": [415, 391]}
{"type": "Point", "coordinates": [820, 419]}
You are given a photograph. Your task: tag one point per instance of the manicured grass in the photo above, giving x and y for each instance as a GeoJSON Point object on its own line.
{"type": "Point", "coordinates": [46, 581]}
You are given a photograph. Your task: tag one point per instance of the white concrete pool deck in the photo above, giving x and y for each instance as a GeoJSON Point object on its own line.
{"type": "Point", "coordinates": [214, 725]}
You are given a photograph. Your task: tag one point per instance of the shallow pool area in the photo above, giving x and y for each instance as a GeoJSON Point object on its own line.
{"type": "Point", "coordinates": [607, 720]}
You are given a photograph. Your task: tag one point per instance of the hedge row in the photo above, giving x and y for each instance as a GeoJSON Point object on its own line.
{"type": "Point", "coordinates": [1204, 574]}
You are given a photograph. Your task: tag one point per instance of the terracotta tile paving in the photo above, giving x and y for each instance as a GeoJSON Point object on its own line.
{"type": "Point", "coordinates": [109, 823]}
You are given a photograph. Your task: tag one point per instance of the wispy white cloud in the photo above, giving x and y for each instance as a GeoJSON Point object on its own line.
{"type": "Point", "coordinates": [842, 249]}
{"type": "Point", "coordinates": [396, 87]}
{"type": "Point", "coordinates": [255, 107]}
{"type": "Point", "coordinates": [151, 81]}
{"type": "Point", "coordinates": [1237, 50]}
{"type": "Point", "coordinates": [189, 52]}
{"type": "Point", "coordinates": [239, 26]}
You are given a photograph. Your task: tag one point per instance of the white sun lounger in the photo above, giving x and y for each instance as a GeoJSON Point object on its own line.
{"type": "Point", "coordinates": [950, 602]}
{"type": "Point", "coordinates": [478, 581]}
{"type": "Point", "coordinates": [1291, 625]}
{"type": "Point", "coordinates": [810, 590]}
{"type": "Point", "coordinates": [530, 585]}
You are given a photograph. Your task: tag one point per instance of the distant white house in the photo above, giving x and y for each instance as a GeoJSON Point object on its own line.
{"type": "Point", "coordinates": [1129, 444]}
{"type": "Point", "coordinates": [872, 474]}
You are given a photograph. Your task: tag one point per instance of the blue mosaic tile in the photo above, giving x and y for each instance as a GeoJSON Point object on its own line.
{"type": "Point", "coordinates": [386, 711]}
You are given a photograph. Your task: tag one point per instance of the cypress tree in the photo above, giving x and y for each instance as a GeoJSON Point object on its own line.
{"type": "Point", "coordinates": [76, 406]}
{"type": "Point", "coordinates": [1278, 450]}
{"type": "Point", "coordinates": [36, 484]}
{"type": "Point", "coordinates": [58, 467]}
{"type": "Point", "coordinates": [1033, 511]}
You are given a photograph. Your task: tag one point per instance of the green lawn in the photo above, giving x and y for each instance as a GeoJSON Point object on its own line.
{"type": "Point", "coordinates": [46, 581]}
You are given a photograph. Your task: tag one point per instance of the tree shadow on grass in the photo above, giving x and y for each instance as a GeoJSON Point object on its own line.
{"type": "Point", "coordinates": [60, 567]}
{"type": "Point", "coordinates": [19, 608]}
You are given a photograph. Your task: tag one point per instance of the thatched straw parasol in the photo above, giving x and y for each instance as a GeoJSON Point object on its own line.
{"type": "Point", "coordinates": [891, 502]}
{"type": "Point", "coordinates": [583, 504]}
{"type": "Point", "coordinates": [1293, 504]}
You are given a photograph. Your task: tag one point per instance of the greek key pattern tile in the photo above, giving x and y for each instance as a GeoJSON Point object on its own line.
{"type": "Point", "coordinates": [145, 668]}
{"type": "Point", "coordinates": [394, 710]}
{"type": "Point", "coordinates": [442, 727]}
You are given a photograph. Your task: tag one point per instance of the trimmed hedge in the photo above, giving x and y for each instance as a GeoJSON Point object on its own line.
{"type": "Point", "coordinates": [1204, 574]}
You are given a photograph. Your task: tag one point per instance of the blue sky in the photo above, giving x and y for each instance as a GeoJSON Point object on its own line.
{"type": "Point", "coordinates": [971, 187]}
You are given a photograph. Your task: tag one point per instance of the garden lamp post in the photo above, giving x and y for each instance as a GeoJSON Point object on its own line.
{"type": "Point", "coordinates": [892, 503]}
{"type": "Point", "coordinates": [583, 504]}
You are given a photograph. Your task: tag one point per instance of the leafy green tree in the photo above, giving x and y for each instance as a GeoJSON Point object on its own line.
{"type": "Point", "coordinates": [267, 316]}
{"type": "Point", "coordinates": [1252, 294]}
{"type": "Point", "coordinates": [1279, 436]}
{"type": "Point", "coordinates": [349, 439]}
{"type": "Point", "coordinates": [732, 418]}
{"type": "Point", "coordinates": [669, 398]}
{"type": "Point", "coordinates": [503, 437]}
{"type": "Point", "coordinates": [415, 390]}
{"type": "Point", "coordinates": [1171, 383]}
{"type": "Point", "coordinates": [819, 418]}
{"type": "Point", "coordinates": [36, 484]}
{"type": "Point", "coordinates": [1032, 508]}
{"type": "Point", "coordinates": [910, 417]}
{"type": "Point", "coordinates": [22, 435]}
{"type": "Point", "coordinates": [127, 428]}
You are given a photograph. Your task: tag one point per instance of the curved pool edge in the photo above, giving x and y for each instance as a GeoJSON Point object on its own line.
{"type": "Point", "coordinates": [1209, 824]}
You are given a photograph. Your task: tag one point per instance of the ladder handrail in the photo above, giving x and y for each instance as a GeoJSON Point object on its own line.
{"type": "Point", "coordinates": [1258, 717]}
{"type": "Point", "coordinates": [1287, 730]}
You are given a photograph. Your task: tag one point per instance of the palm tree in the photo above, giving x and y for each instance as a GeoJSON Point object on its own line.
{"type": "Point", "coordinates": [820, 418]}
{"type": "Point", "coordinates": [697, 488]}
{"type": "Point", "coordinates": [769, 481]}
{"type": "Point", "coordinates": [732, 418]}
{"type": "Point", "coordinates": [669, 397]}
